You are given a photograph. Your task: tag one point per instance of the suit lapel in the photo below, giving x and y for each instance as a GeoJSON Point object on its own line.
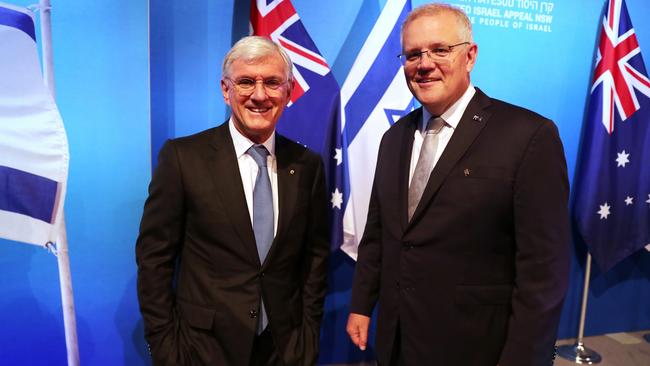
{"type": "Point", "coordinates": [469, 127]}
{"type": "Point", "coordinates": [288, 178]}
{"type": "Point", "coordinates": [223, 166]}
{"type": "Point", "coordinates": [405, 164]}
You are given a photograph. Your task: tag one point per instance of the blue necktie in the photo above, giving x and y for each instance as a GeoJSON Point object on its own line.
{"type": "Point", "coordinates": [262, 214]}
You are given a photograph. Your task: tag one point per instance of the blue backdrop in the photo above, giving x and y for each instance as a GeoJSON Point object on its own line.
{"type": "Point", "coordinates": [131, 73]}
{"type": "Point", "coordinates": [101, 64]}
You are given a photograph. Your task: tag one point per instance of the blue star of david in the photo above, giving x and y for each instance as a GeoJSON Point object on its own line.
{"type": "Point", "coordinates": [395, 114]}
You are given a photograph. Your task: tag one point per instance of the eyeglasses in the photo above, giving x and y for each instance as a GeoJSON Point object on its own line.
{"type": "Point", "coordinates": [246, 86]}
{"type": "Point", "coordinates": [438, 54]}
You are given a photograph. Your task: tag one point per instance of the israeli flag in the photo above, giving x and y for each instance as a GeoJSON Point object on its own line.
{"type": "Point", "coordinates": [373, 96]}
{"type": "Point", "coordinates": [33, 144]}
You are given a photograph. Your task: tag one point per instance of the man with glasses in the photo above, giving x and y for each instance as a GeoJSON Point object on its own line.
{"type": "Point", "coordinates": [465, 250]}
{"type": "Point", "coordinates": [233, 240]}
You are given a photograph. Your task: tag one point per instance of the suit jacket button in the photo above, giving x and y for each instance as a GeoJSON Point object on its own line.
{"type": "Point", "coordinates": [253, 313]}
{"type": "Point", "coordinates": [262, 274]}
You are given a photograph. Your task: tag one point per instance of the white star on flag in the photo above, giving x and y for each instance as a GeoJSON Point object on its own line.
{"type": "Point", "coordinates": [648, 201]}
{"type": "Point", "coordinates": [338, 156]}
{"type": "Point", "coordinates": [622, 158]}
{"type": "Point", "coordinates": [337, 199]}
{"type": "Point", "coordinates": [628, 201]}
{"type": "Point", "coordinates": [604, 211]}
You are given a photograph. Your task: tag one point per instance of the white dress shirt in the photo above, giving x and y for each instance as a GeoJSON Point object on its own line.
{"type": "Point", "coordinates": [451, 116]}
{"type": "Point", "coordinates": [248, 169]}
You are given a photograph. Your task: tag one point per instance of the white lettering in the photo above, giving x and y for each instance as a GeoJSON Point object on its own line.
{"type": "Point", "coordinates": [508, 3]}
{"type": "Point", "coordinates": [494, 22]}
{"type": "Point", "coordinates": [488, 12]}
{"type": "Point", "coordinates": [547, 7]}
{"type": "Point", "coordinates": [518, 15]}
{"type": "Point", "coordinates": [538, 27]}
{"type": "Point", "coordinates": [466, 8]}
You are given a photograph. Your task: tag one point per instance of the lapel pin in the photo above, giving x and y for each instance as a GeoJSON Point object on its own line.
{"type": "Point", "coordinates": [292, 171]}
{"type": "Point", "coordinates": [466, 172]}
{"type": "Point", "coordinates": [478, 118]}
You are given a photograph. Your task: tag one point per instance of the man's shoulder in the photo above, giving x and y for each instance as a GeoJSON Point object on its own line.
{"type": "Point", "coordinates": [204, 136]}
{"type": "Point", "coordinates": [407, 121]}
{"type": "Point", "coordinates": [513, 108]}
{"type": "Point", "coordinates": [516, 123]}
{"type": "Point", "coordinates": [197, 142]}
{"type": "Point", "coordinates": [514, 114]}
{"type": "Point", "coordinates": [297, 152]}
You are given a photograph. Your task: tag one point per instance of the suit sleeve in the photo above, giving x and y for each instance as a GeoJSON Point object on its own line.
{"type": "Point", "coordinates": [315, 267]}
{"type": "Point", "coordinates": [541, 227]}
{"type": "Point", "coordinates": [365, 287]}
{"type": "Point", "coordinates": [157, 249]}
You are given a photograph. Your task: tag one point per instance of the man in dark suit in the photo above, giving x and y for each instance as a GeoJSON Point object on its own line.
{"type": "Point", "coordinates": [233, 240]}
{"type": "Point", "coordinates": [466, 245]}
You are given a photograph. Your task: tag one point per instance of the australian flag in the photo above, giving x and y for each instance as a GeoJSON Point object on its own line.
{"type": "Point", "coordinates": [312, 117]}
{"type": "Point", "coordinates": [612, 191]}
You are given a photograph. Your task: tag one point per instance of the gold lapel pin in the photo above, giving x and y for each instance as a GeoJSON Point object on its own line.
{"type": "Point", "coordinates": [466, 172]}
{"type": "Point", "coordinates": [291, 171]}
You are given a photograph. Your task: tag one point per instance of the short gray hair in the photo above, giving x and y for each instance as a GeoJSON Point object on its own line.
{"type": "Point", "coordinates": [464, 24]}
{"type": "Point", "coordinates": [254, 48]}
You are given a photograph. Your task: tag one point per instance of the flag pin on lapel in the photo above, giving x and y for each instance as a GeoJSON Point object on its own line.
{"type": "Point", "coordinates": [478, 118]}
{"type": "Point", "coordinates": [466, 172]}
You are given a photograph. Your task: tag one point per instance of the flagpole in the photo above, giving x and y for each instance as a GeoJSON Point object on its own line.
{"type": "Point", "coordinates": [577, 352]}
{"type": "Point", "coordinates": [65, 278]}
{"type": "Point", "coordinates": [67, 298]}
{"type": "Point", "coordinates": [46, 44]}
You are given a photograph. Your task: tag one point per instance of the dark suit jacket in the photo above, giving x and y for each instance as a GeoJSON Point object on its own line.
{"type": "Point", "coordinates": [479, 275]}
{"type": "Point", "coordinates": [199, 276]}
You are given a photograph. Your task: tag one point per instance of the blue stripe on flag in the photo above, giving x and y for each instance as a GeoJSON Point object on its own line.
{"type": "Point", "coordinates": [27, 194]}
{"type": "Point", "coordinates": [18, 20]}
{"type": "Point", "coordinates": [376, 81]}
{"type": "Point", "coordinates": [366, 17]}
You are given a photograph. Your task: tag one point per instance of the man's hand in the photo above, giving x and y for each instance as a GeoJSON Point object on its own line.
{"type": "Point", "coordinates": [358, 329]}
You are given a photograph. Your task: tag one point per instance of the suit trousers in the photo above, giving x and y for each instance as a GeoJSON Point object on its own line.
{"type": "Point", "coordinates": [396, 356]}
{"type": "Point", "coordinates": [264, 352]}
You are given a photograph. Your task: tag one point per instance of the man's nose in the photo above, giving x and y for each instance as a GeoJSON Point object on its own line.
{"type": "Point", "coordinates": [259, 92]}
{"type": "Point", "coordinates": [426, 62]}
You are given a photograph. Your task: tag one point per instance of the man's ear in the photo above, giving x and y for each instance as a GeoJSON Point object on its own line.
{"type": "Point", "coordinates": [472, 53]}
{"type": "Point", "coordinates": [224, 92]}
{"type": "Point", "coordinates": [290, 85]}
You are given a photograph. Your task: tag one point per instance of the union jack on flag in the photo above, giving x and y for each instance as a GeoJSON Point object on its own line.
{"type": "Point", "coordinates": [612, 190]}
{"type": "Point", "coordinates": [274, 19]}
{"type": "Point", "coordinates": [312, 118]}
{"type": "Point", "coordinates": [614, 67]}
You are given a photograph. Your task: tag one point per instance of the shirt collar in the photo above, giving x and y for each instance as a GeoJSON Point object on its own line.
{"type": "Point", "coordinates": [455, 112]}
{"type": "Point", "coordinates": [243, 143]}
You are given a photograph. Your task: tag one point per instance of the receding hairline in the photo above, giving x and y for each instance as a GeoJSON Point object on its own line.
{"type": "Point", "coordinates": [435, 9]}
{"type": "Point", "coordinates": [252, 49]}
